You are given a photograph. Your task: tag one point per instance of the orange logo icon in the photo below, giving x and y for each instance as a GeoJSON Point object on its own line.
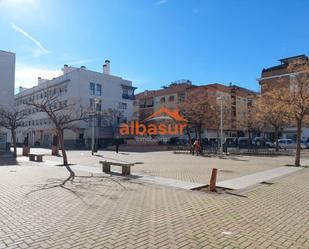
{"type": "Point", "coordinates": [135, 128]}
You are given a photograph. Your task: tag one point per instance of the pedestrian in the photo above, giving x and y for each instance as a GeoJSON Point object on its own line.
{"type": "Point", "coordinates": [192, 147]}
{"type": "Point", "coordinates": [197, 147]}
{"type": "Point", "coordinates": [117, 144]}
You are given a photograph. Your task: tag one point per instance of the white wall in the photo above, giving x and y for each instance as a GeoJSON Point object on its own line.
{"type": "Point", "coordinates": [7, 85]}
{"type": "Point", "coordinates": [77, 82]}
{"type": "Point", "coordinates": [7, 77]}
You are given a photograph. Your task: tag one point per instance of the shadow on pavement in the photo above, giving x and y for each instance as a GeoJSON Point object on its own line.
{"type": "Point", "coordinates": [8, 161]}
{"type": "Point", "coordinates": [238, 159]}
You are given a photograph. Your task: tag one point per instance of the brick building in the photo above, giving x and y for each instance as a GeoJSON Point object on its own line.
{"type": "Point", "coordinates": [237, 101]}
{"type": "Point", "coordinates": [279, 76]}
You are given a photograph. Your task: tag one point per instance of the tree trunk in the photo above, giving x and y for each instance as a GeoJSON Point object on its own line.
{"type": "Point", "coordinates": [298, 138]}
{"type": "Point", "coordinates": [195, 130]}
{"type": "Point", "coordinates": [189, 135]}
{"type": "Point", "coordinates": [277, 138]}
{"type": "Point", "coordinates": [64, 157]}
{"type": "Point", "coordinates": [200, 131]}
{"type": "Point", "coordinates": [14, 142]}
{"type": "Point", "coordinates": [218, 138]}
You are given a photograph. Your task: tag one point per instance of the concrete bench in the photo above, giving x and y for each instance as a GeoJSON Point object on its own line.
{"type": "Point", "coordinates": [36, 157]}
{"type": "Point", "coordinates": [126, 167]}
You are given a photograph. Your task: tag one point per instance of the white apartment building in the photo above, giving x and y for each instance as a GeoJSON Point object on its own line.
{"type": "Point", "coordinates": [82, 85]}
{"type": "Point", "coordinates": [7, 85]}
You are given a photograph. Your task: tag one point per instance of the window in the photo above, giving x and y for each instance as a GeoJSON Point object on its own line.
{"type": "Point", "coordinates": [91, 88]}
{"type": "Point", "coordinates": [122, 106]}
{"type": "Point", "coordinates": [181, 97]}
{"type": "Point", "coordinates": [99, 106]}
{"type": "Point", "coordinates": [99, 121]}
{"type": "Point", "coordinates": [162, 100]}
{"type": "Point", "coordinates": [128, 93]}
{"type": "Point", "coordinates": [99, 90]}
{"type": "Point", "coordinates": [171, 98]}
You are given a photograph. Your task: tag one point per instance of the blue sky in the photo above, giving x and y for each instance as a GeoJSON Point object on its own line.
{"type": "Point", "coordinates": [154, 42]}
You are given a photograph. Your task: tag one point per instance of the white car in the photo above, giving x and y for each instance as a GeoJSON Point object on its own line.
{"type": "Point", "coordinates": [289, 144]}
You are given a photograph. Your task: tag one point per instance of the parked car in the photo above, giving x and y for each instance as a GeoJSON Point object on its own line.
{"type": "Point", "coordinates": [244, 142]}
{"type": "Point", "coordinates": [177, 141]}
{"type": "Point", "coordinates": [230, 142]}
{"type": "Point", "coordinates": [305, 143]}
{"type": "Point", "coordinates": [286, 143]}
{"type": "Point", "coordinates": [261, 141]}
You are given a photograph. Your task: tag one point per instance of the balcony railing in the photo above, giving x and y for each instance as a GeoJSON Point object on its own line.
{"type": "Point", "coordinates": [127, 96]}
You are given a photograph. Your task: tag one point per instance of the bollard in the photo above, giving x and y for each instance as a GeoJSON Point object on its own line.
{"type": "Point", "coordinates": [213, 180]}
{"type": "Point", "coordinates": [26, 150]}
{"type": "Point", "coordinates": [55, 151]}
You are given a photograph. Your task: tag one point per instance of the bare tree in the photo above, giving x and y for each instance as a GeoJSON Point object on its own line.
{"type": "Point", "coordinates": [111, 117]}
{"type": "Point", "coordinates": [294, 98]}
{"type": "Point", "coordinates": [250, 121]}
{"type": "Point", "coordinates": [63, 116]}
{"type": "Point", "coordinates": [11, 119]}
{"type": "Point", "coordinates": [214, 116]}
{"type": "Point", "coordinates": [196, 109]}
{"type": "Point", "coordinates": [272, 114]}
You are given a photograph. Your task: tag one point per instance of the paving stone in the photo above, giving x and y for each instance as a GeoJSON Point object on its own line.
{"type": "Point", "coordinates": [110, 212]}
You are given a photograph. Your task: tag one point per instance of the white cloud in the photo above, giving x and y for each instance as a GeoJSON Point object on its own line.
{"type": "Point", "coordinates": [82, 61]}
{"type": "Point", "coordinates": [27, 76]}
{"type": "Point", "coordinates": [39, 50]}
{"type": "Point", "coordinates": [160, 2]}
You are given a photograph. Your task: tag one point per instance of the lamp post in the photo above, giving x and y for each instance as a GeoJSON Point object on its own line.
{"type": "Point", "coordinates": [94, 103]}
{"type": "Point", "coordinates": [221, 124]}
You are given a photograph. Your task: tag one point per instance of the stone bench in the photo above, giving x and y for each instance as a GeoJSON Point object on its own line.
{"type": "Point", "coordinates": [126, 167]}
{"type": "Point", "coordinates": [36, 157]}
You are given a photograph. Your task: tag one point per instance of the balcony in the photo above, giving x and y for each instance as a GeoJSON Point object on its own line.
{"type": "Point", "coordinates": [128, 96]}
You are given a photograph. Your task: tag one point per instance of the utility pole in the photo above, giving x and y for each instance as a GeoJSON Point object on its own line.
{"type": "Point", "coordinates": [221, 124]}
{"type": "Point", "coordinates": [94, 103]}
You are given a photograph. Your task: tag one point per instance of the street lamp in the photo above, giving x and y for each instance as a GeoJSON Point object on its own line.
{"type": "Point", "coordinates": [94, 103]}
{"type": "Point", "coordinates": [221, 124]}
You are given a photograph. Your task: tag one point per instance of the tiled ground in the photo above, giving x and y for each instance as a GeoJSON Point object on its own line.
{"type": "Point", "coordinates": [180, 166]}
{"type": "Point", "coordinates": [113, 213]}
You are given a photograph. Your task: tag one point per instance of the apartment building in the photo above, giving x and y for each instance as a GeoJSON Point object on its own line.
{"type": "Point", "coordinates": [236, 101]}
{"type": "Point", "coordinates": [97, 90]}
{"type": "Point", "coordinates": [7, 85]}
{"type": "Point", "coordinates": [279, 76]}
{"type": "Point", "coordinates": [149, 101]}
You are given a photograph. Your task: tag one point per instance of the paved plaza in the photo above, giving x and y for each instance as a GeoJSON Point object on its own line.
{"type": "Point", "coordinates": [178, 166]}
{"type": "Point", "coordinates": [106, 211]}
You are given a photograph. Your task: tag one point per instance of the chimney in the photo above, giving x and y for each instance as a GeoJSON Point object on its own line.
{"type": "Point", "coordinates": [65, 68]}
{"type": "Point", "coordinates": [106, 67]}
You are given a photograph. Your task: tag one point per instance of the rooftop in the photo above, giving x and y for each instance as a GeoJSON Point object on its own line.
{"type": "Point", "coordinates": [285, 62]}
